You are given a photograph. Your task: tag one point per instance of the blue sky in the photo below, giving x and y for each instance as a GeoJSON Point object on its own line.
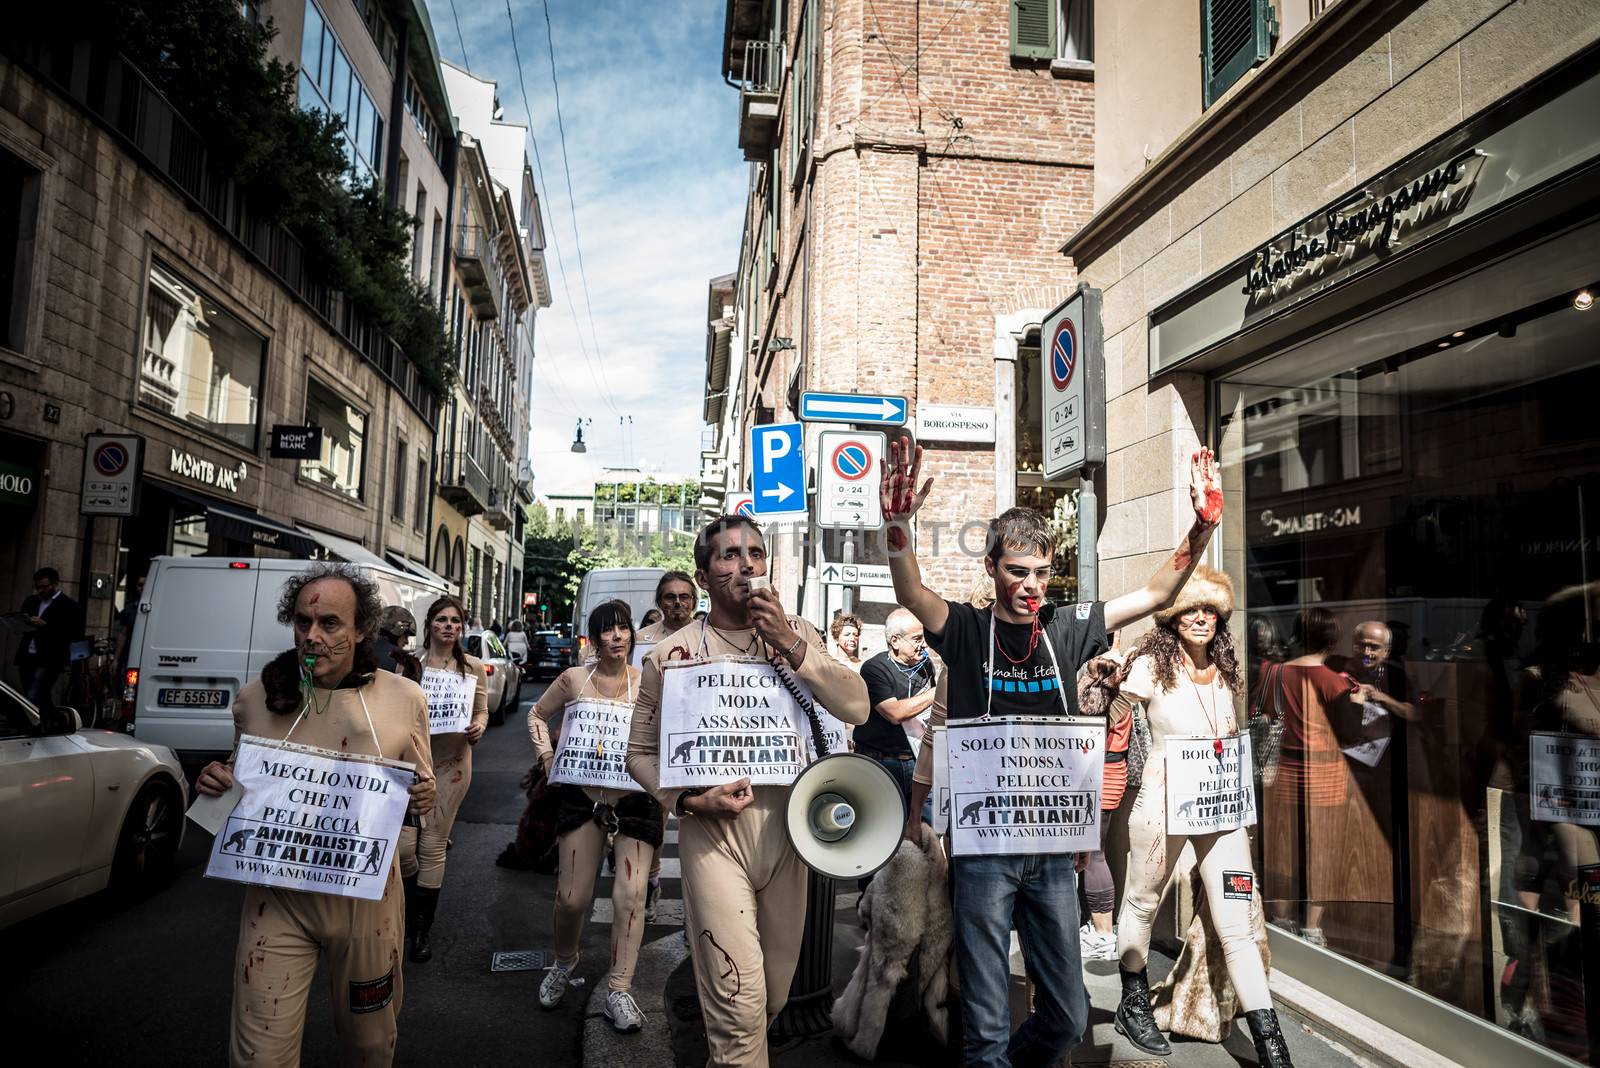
{"type": "Point", "coordinates": [658, 187]}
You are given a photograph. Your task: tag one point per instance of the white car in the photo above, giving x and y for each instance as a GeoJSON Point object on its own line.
{"type": "Point", "coordinates": [505, 678]}
{"type": "Point", "coordinates": [81, 810]}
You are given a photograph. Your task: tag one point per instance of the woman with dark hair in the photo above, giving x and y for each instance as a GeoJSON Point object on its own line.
{"type": "Point", "coordinates": [846, 631]}
{"type": "Point", "coordinates": [1187, 673]}
{"type": "Point", "coordinates": [588, 813]}
{"type": "Point", "coordinates": [457, 689]}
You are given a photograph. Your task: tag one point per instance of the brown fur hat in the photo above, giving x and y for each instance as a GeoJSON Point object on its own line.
{"type": "Point", "coordinates": [1207, 586]}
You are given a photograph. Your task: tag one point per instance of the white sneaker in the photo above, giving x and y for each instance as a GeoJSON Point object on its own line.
{"type": "Point", "coordinates": [1097, 946]}
{"type": "Point", "coordinates": [555, 982]}
{"type": "Point", "coordinates": [623, 1012]}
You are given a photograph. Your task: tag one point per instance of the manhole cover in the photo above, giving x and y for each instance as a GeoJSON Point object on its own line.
{"type": "Point", "coordinates": [519, 960]}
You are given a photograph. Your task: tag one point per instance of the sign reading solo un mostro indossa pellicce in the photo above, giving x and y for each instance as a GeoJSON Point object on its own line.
{"type": "Point", "coordinates": [1366, 221]}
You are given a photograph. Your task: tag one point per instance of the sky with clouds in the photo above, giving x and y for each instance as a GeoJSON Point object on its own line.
{"type": "Point", "coordinates": [658, 186]}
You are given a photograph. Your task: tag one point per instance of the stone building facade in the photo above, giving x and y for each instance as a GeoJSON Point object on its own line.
{"type": "Point", "coordinates": [913, 168]}
{"type": "Point", "coordinates": [1362, 272]}
{"type": "Point", "coordinates": [144, 301]}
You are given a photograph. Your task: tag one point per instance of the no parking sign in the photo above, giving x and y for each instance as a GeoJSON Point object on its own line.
{"type": "Point", "coordinates": [112, 467]}
{"type": "Point", "coordinates": [848, 476]}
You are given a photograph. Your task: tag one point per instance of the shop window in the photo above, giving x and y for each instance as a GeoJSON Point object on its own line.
{"type": "Point", "coordinates": [197, 363]}
{"type": "Point", "coordinates": [344, 435]}
{"type": "Point", "coordinates": [1419, 521]}
{"type": "Point", "coordinates": [19, 218]}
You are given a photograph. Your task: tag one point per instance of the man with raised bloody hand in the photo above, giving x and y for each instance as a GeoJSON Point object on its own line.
{"type": "Point", "coordinates": [744, 887]}
{"type": "Point", "coordinates": [1021, 657]}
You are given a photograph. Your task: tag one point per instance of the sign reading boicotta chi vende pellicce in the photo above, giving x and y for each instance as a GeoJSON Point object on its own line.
{"type": "Point", "coordinates": [594, 745]}
{"type": "Point", "coordinates": [312, 819]}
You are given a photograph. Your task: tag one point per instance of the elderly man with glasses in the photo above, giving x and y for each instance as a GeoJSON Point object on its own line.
{"type": "Point", "coordinates": [899, 688]}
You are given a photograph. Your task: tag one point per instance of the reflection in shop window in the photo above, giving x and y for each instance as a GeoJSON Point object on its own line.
{"type": "Point", "coordinates": [197, 363]}
{"type": "Point", "coordinates": [190, 537]}
{"type": "Point", "coordinates": [344, 432]}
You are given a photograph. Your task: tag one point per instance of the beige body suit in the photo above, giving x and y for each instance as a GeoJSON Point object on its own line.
{"type": "Point", "coordinates": [583, 848]}
{"type": "Point", "coordinates": [744, 887]}
{"type": "Point", "coordinates": [1200, 711]}
{"type": "Point", "coordinates": [651, 636]}
{"type": "Point", "coordinates": [422, 854]}
{"type": "Point", "coordinates": [283, 933]}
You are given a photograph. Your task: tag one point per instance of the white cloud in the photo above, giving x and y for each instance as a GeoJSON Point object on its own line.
{"type": "Point", "coordinates": [659, 186]}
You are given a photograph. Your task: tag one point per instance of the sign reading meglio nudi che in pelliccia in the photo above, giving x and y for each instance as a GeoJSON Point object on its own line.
{"type": "Point", "coordinates": [312, 819]}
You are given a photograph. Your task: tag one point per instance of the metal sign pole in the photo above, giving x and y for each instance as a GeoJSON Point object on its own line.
{"type": "Point", "coordinates": [849, 557]}
{"type": "Point", "coordinates": [1088, 534]}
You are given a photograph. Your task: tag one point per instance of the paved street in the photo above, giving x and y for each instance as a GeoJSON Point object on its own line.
{"type": "Point", "coordinates": [149, 983]}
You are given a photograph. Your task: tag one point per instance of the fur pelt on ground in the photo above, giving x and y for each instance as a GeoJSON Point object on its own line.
{"type": "Point", "coordinates": [1196, 999]}
{"type": "Point", "coordinates": [907, 918]}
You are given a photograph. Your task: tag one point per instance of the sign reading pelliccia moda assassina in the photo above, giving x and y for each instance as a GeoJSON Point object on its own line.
{"type": "Point", "coordinates": [1365, 222]}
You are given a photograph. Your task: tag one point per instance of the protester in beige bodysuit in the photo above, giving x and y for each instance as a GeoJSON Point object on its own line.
{"type": "Point", "coordinates": [744, 887]}
{"type": "Point", "coordinates": [585, 815]}
{"type": "Point", "coordinates": [1187, 673]}
{"type": "Point", "coordinates": [422, 853]}
{"type": "Point", "coordinates": [675, 600]}
{"type": "Point", "coordinates": [346, 704]}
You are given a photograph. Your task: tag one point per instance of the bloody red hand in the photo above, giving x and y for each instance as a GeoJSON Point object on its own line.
{"type": "Point", "coordinates": [1205, 488]}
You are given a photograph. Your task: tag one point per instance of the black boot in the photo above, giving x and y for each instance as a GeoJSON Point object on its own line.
{"type": "Point", "coordinates": [1134, 1020]}
{"type": "Point", "coordinates": [427, 905]}
{"type": "Point", "coordinates": [1271, 1050]}
{"type": "Point", "coordinates": [409, 884]}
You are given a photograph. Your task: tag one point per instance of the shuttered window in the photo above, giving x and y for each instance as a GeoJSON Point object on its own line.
{"type": "Point", "coordinates": [1033, 29]}
{"type": "Point", "coordinates": [1235, 35]}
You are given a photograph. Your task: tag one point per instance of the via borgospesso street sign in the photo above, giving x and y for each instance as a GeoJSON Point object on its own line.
{"type": "Point", "coordinates": [1073, 384]}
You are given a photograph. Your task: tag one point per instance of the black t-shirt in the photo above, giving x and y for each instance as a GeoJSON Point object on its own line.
{"type": "Point", "coordinates": [886, 681]}
{"type": "Point", "coordinates": [1077, 632]}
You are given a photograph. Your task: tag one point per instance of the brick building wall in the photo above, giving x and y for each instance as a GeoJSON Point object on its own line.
{"type": "Point", "coordinates": [939, 180]}
{"type": "Point", "coordinates": [103, 216]}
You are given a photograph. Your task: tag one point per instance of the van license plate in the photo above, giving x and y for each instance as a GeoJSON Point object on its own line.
{"type": "Point", "coordinates": [170, 698]}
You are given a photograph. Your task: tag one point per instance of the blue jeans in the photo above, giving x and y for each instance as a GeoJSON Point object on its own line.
{"type": "Point", "coordinates": [1040, 895]}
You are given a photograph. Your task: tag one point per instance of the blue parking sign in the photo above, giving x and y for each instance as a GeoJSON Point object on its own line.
{"type": "Point", "coordinates": [778, 470]}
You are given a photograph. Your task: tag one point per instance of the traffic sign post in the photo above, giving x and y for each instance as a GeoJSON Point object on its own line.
{"type": "Point", "coordinates": [778, 478]}
{"type": "Point", "coordinates": [1074, 417]}
{"type": "Point", "coordinates": [861, 408]}
{"type": "Point", "coordinates": [113, 467]}
{"type": "Point", "coordinates": [740, 504]}
{"type": "Point", "coordinates": [849, 473]}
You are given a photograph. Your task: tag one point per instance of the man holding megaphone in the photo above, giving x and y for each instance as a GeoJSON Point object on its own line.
{"type": "Point", "coordinates": [1014, 668]}
{"type": "Point", "coordinates": [717, 737]}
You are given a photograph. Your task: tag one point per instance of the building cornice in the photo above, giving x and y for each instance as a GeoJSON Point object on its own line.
{"type": "Point", "coordinates": [1305, 59]}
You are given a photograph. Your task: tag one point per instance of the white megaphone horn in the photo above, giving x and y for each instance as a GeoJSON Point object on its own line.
{"type": "Point", "coordinates": [845, 816]}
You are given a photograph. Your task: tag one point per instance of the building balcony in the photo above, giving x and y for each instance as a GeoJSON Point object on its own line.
{"type": "Point", "coordinates": [478, 263]}
{"type": "Point", "coordinates": [758, 100]}
{"type": "Point", "coordinates": [499, 514]}
{"type": "Point", "coordinates": [463, 485]}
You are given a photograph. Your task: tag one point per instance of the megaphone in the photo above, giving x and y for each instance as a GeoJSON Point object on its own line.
{"type": "Point", "coordinates": [845, 816]}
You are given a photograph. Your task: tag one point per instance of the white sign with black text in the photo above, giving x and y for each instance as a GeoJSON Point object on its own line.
{"type": "Point", "coordinates": [941, 781]}
{"type": "Point", "coordinates": [642, 650]}
{"type": "Point", "coordinates": [594, 745]}
{"type": "Point", "coordinates": [1025, 784]}
{"type": "Point", "coordinates": [449, 696]}
{"type": "Point", "coordinates": [1208, 792]}
{"type": "Point", "coordinates": [1564, 778]}
{"type": "Point", "coordinates": [312, 819]}
{"type": "Point", "coordinates": [723, 720]}
{"type": "Point", "coordinates": [951, 422]}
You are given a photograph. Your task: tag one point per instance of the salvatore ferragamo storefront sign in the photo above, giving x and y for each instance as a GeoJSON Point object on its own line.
{"type": "Point", "coordinates": [1363, 223]}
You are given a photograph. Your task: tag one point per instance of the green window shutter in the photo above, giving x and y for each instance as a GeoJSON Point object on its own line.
{"type": "Point", "coordinates": [1033, 29]}
{"type": "Point", "coordinates": [1235, 35]}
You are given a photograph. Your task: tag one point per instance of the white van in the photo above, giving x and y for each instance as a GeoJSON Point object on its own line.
{"type": "Point", "coordinates": [636, 585]}
{"type": "Point", "coordinates": [207, 625]}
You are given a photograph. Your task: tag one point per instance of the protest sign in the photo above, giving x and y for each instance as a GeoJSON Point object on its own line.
{"type": "Point", "coordinates": [640, 651]}
{"type": "Point", "coordinates": [1208, 794]}
{"type": "Point", "coordinates": [1025, 784]}
{"type": "Point", "coordinates": [312, 819]}
{"type": "Point", "coordinates": [449, 696]}
{"type": "Point", "coordinates": [941, 781]}
{"type": "Point", "coordinates": [723, 720]}
{"type": "Point", "coordinates": [1564, 778]}
{"type": "Point", "coordinates": [594, 745]}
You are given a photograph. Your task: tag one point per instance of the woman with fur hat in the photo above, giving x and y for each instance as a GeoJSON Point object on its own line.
{"type": "Point", "coordinates": [1187, 673]}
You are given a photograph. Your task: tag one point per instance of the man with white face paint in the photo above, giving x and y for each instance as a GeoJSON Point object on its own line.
{"type": "Point", "coordinates": [744, 887]}
{"type": "Point", "coordinates": [1021, 658]}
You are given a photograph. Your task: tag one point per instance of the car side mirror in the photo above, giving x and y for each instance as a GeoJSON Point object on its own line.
{"type": "Point", "coordinates": [61, 720]}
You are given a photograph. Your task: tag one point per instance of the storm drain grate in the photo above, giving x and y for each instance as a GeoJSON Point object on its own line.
{"type": "Point", "coordinates": [520, 960]}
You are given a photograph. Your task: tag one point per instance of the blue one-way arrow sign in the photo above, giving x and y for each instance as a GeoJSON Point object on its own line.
{"type": "Point", "coordinates": [863, 408]}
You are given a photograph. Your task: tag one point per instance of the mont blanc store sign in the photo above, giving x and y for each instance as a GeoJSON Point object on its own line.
{"type": "Point", "coordinates": [221, 476]}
